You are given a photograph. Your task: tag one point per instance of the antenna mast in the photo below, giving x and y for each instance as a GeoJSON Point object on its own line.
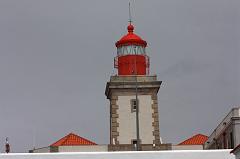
{"type": "Point", "coordinates": [129, 11]}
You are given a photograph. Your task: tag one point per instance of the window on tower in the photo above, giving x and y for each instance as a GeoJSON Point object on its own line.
{"type": "Point", "coordinates": [134, 105]}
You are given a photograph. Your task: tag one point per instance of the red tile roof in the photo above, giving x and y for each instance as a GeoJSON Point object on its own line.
{"type": "Point", "coordinates": [72, 140]}
{"type": "Point", "coordinates": [198, 139]}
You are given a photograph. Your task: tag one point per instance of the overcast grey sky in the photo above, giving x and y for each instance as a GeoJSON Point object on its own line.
{"type": "Point", "coordinates": [57, 55]}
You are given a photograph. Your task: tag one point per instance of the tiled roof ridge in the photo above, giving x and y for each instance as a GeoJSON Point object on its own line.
{"type": "Point", "coordinates": [200, 135]}
{"type": "Point", "coordinates": [92, 143]}
{"type": "Point", "coordinates": [64, 141]}
{"type": "Point", "coordinates": [194, 140]}
{"type": "Point", "coordinates": [60, 140]}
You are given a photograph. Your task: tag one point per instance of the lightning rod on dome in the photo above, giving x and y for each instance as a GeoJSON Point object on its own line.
{"type": "Point", "coordinates": [129, 11]}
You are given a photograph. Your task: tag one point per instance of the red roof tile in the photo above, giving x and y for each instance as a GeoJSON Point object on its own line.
{"type": "Point", "coordinates": [198, 139]}
{"type": "Point", "coordinates": [72, 140]}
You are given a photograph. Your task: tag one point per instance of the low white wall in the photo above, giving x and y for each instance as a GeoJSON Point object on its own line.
{"type": "Point", "coordinates": [182, 154]}
{"type": "Point", "coordinates": [187, 147]}
{"type": "Point", "coordinates": [90, 148]}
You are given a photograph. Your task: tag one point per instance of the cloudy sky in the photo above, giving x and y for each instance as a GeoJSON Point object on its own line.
{"type": "Point", "coordinates": [57, 55]}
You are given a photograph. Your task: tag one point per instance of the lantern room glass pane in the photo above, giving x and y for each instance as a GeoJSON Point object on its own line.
{"type": "Point", "coordinates": [130, 50]}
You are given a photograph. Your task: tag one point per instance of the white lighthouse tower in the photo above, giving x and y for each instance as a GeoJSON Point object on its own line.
{"type": "Point", "coordinates": [134, 117]}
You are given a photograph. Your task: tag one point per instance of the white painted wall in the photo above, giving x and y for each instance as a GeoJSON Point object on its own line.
{"type": "Point", "coordinates": [127, 119]}
{"type": "Point", "coordinates": [87, 148]}
{"type": "Point", "coordinates": [235, 112]}
{"type": "Point", "coordinates": [183, 154]}
{"type": "Point", "coordinates": [237, 132]}
{"type": "Point", "coordinates": [187, 147]}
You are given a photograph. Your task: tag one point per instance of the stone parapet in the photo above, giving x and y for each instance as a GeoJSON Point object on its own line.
{"type": "Point", "coordinates": [128, 83]}
{"type": "Point", "coordinates": [144, 147]}
{"type": "Point", "coordinates": [132, 78]}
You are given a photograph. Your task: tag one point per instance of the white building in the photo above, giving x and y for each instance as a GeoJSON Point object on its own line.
{"type": "Point", "coordinates": [71, 143]}
{"type": "Point", "coordinates": [227, 134]}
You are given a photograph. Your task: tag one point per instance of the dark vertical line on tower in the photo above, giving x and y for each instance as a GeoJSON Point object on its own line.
{"type": "Point", "coordinates": [137, 104]}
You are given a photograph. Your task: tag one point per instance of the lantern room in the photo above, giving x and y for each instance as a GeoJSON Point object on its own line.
{"type": "Point", "coordinates": [131, 56]}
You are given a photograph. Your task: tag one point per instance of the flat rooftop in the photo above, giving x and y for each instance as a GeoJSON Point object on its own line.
{"type": "Point", "coordinates": [176, 154]}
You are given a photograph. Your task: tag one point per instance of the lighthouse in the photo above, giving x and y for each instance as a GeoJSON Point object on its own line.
{"type": "Point", "coordinates": [132, 92]}
{"type": "Point", "coordinates": [131, 54]}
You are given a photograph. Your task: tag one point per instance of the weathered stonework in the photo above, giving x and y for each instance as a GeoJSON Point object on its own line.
{"type": "Point", "coordinates": [155, 117]}
{"type": "Point", "coordinates": [144, 147]}
{"type": "Point", "coordinates": [120, 86]}
{"type": "Point", "coordinates": [54, 149]}
{"type": "Point", "coordinates": [113, 121]}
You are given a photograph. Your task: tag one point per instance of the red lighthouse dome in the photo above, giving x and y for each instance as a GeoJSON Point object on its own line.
{"type": "Point", "coordinates": [131, 38]}
{"type": "Point", "coordinates": [131, 56]}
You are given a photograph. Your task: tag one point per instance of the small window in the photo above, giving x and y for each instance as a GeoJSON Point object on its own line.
{"type": "Point", "coordinates": [134, 105]}
{"type": "Point", "coordinates": [134, 141]}
{"type": "Point", "coordinates": [231, 140]}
